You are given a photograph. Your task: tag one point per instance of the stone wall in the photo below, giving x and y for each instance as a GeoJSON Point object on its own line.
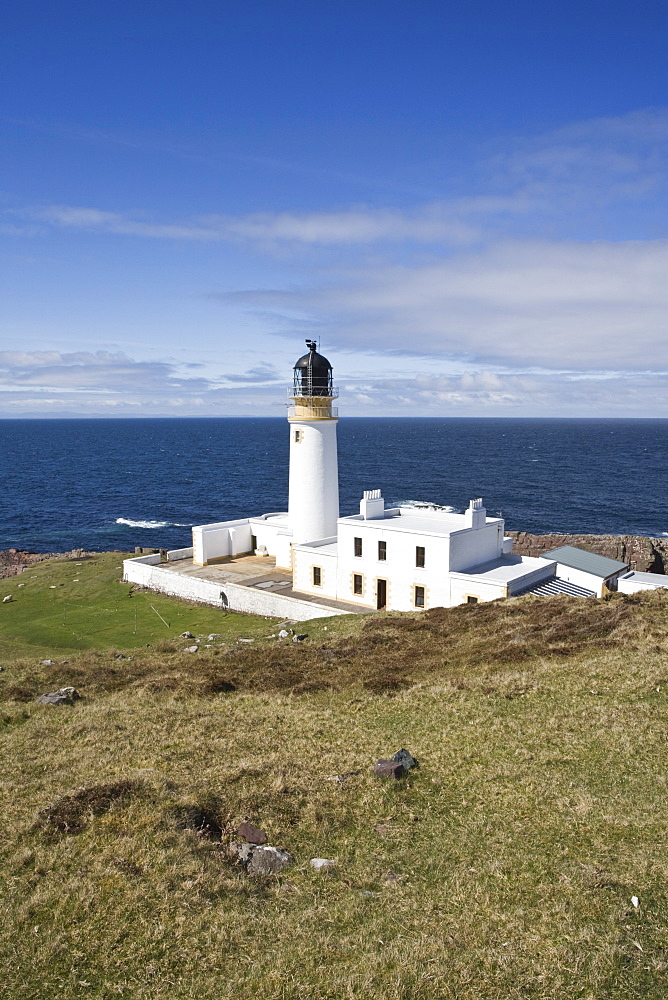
{"type": "Point", "coordinates": [648, 555]}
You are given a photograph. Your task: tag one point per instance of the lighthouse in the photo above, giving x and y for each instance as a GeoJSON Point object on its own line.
{"type": "Point", "coordinates": [313, 502]}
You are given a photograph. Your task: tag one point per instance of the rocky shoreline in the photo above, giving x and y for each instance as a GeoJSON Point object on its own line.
{"type": "Point", "coordinates": [648, 555]}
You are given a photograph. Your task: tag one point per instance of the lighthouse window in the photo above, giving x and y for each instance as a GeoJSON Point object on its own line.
{"type": "Point", "coordinates": [358, 546]}
{"type": "Point", "coordinates": [419, 556]}
{"type": "Point", "coordinates": [419, 597]}
{"type": "Point", "coordinates": [357, 583]}
{"type": "Point", "coordinates": [298, 435]}
{"type": "Point", "coordinates": [382, 551]}
{"type": "Point", "coordinates": [317, 576]}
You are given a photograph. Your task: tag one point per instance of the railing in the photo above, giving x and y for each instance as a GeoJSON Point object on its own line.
{"type": "Point", "coordinates": [301, 391]}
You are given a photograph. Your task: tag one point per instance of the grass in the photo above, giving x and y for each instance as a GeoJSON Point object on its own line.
{"type": "Point", "coordinates": [66, 605]}
{"type": "Point", "coordinates": [502, 868]}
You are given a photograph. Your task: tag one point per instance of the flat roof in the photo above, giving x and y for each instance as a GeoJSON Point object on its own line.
{"type": "Point", "coordinates": [439, 523]}
{"type": "Point", "coordinates": [655, 579]}
{"type": "Point", "coordinates": [588, 562]}
{"type": "Point", "coordinates": [504, 569]}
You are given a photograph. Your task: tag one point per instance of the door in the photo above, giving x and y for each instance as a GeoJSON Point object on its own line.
{"type": "Point", "coordinates": [381, 594]}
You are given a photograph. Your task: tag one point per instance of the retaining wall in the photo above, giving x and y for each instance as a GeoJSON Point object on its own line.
{"type": "Point", "coordinates": [146, 572]}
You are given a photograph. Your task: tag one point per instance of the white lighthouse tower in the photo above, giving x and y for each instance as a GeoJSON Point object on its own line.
{"type": "Point", "coordinates": [313, 504]}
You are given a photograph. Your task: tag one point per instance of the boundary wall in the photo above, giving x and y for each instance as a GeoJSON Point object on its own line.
{"type": "Point", "coordinates": [146, 572]}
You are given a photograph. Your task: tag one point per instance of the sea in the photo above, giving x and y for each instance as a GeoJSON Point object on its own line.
{"type": "Point", "coordinates": [103, 484]}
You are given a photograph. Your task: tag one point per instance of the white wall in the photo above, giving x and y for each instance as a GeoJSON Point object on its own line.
{"type": "Point", "coordinates": [399, 569]}
{"type": "Point", "coordinates": [313, 506]}
{"type": "Point", "coordinates": [145, 572]}
{"type": "Point", "coordinates": [631, 583]}
{"type": "Point", "coordinates": [484, 590]}
{"type": "Point", "coordinates": [220, 540]}
{"type": "Point", "coordinates": [304, 558]}
{"type": "Point", "coordinates": [473, 547]}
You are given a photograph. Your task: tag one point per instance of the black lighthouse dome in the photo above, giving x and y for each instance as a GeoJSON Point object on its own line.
{"type": "Point", "coordinates": [313, 374]}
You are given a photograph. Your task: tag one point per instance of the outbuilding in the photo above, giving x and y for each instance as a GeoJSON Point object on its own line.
{"type": "Point", "coordinates": [586, 569]}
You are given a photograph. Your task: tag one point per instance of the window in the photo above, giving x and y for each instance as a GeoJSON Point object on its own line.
{"type": "Point", "coordinates": [317, 576]}
{"type": "Point", "coordinates": [382, 551]}
{"type": "Point", "coordinates": [358, 546]}
{"type": "Point", "coordinates": [419, 556]}
{"type": "Point", "coordinates": [298, 435]}
{"type": "Point", "coordinates": [418, 598]}
{"type": "Point", "coordinates": [357, 583]}
{"type": "Point", "coordinates": [471, 600]}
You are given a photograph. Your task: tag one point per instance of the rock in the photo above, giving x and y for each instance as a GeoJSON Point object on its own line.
{"type": "Point", "coordinates": [191, 649]}
{"type": "Point", "coordinates": [214, 635]}
{"type": "Point", "coordinates": [262, 859]}
{"type": "Point", "coordinates": [48, 663]}
{"type": "Point", "coordinates": [253, 834]}
{"type": "Point", "coordinates": [63, 696]}
{"type": "Point", "coordinates": [642, 554]}
{"type": "Point", "coordinates": [53, 587]}
{"type": "Point", "coordinates": [403, 757]}
{"type": "Point", "coordinates": [299, 638]}
{"type": "Point", "coordinates": [119, 656]}
{"type": "Point", "coordinates": [20, 584]}
{"type": "Point", "coordinates": [283, 634]}
{"type": "Point", "coordinates": [322, 864]}
{"type": "Point", "coordinates": [186, 635]}
{"type": "Point", "coordinates": [389, 769]}
{"type": "Point", "coordinates": [246, 640]}
{"type": "Point", "coordinates": [7, 599]}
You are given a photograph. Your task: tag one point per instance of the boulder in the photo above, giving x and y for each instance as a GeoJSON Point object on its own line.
{"type": "Point", "coordinates": [191, 649]}
{"type": "Point", "coordinates": [63, 696]}
{"type": "Point", "coordinates": [262, 859]}
{"type": "Point", "coordinates": [186, 635]}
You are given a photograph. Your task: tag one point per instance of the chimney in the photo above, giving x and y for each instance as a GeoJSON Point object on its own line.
{"type": "Point", "coordinates": [372, 505]}
{"type": "Point", "coordinates": [476, 515]}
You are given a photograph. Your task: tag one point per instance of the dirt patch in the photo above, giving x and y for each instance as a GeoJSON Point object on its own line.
{"type": "Point", "coordinates": [70, 814]}
{"type": "Point", "coordinates": [205, 820]}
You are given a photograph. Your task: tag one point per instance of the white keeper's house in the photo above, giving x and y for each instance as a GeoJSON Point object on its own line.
{"type": "Point", "coordinates": [309, 562]}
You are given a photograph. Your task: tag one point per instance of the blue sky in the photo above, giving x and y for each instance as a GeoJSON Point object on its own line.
{"type": "Point", "coordinates": [465, 202]}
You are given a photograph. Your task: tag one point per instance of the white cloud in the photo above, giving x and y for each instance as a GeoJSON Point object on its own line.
{"type": "Point", "coordinates": [433, 223]}
{"type": "Point", "coordinates": [558, 305]}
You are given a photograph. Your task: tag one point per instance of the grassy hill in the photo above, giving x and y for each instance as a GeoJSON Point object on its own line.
{"type": "Point", "coordinates": [504, 867]}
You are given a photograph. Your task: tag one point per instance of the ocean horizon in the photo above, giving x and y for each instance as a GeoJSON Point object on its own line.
{"type": "Point", "coordinates": [117, 482]}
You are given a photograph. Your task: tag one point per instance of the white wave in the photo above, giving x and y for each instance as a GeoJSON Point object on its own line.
{"type": "Point", "coordinates": [149, 524]}
{"type": "Point", "coordinates": [426, 505]}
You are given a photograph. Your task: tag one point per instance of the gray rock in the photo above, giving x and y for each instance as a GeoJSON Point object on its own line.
{"type": "Point", "coordinates": [48, 663]}
{"type": "Point", "coordinates": [63, 696]}
{"type": "Point", "coordinates": [246, 640]}
{"type": "Point", "coordinates": [7, 599]}
{"type": "Point", "coordinates": [191, 649]}
{"type": "Point", "coordinates": [186, 635]}
{"type": "Point", "coordinates": [262, 859]}
{"type": "Point", "coordinates": [283, 634]}
{"type": "Point", "coordinates": [322, 864]}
